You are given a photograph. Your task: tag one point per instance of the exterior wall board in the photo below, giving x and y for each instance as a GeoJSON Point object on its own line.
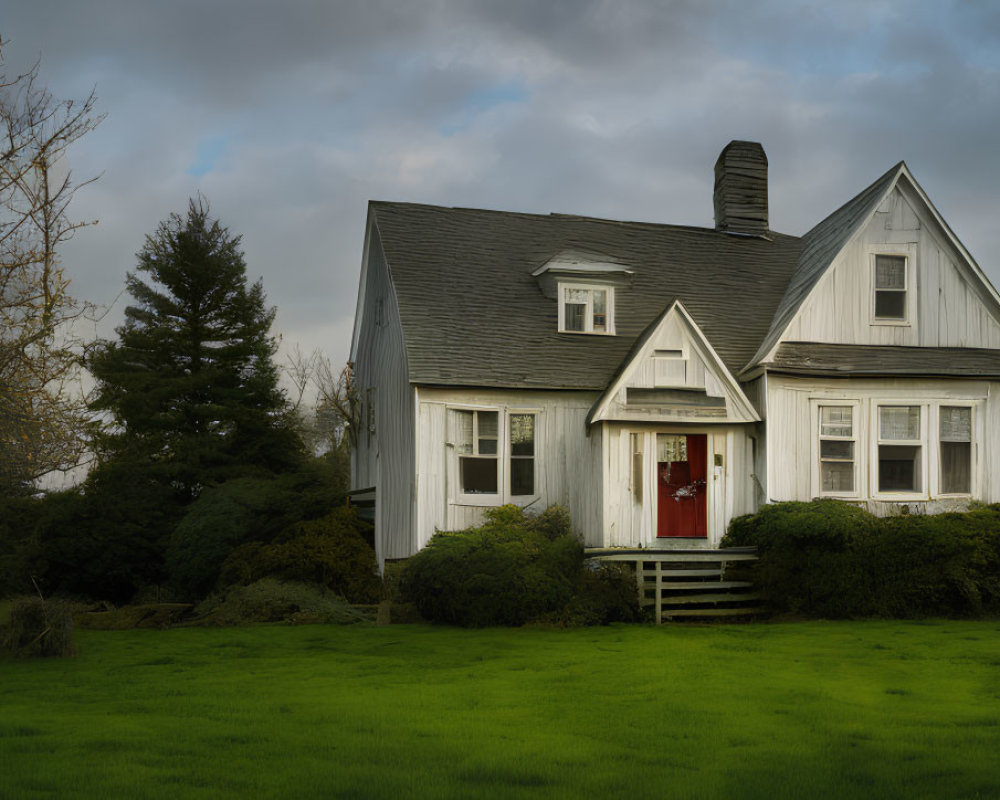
{"type": "Point", "coordinates": [950, 307]}
{"type": "Point", "coordinates": [384, 456]}
{"type": "Point", "coordinates": [793, 433]}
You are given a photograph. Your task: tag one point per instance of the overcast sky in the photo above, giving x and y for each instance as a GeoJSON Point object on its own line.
{"type": "Point", "coordinates": [290, 116]}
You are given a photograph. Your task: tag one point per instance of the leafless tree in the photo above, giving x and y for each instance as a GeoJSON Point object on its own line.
{"type": "Point", "coordinates": [41, 408]}
{"type": "Point", "coordinates": [332, 420]}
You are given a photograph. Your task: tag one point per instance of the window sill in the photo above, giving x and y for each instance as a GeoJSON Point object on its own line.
{"type": "Point", "coordinates": [589, 333]}
{"type": "Point", "coordinates": [494, 500]}
{"type": "Point", "coordinates": [891, 323]}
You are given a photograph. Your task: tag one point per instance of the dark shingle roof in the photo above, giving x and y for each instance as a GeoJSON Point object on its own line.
{"type": "Point", "coordinates": [811, 358]}
{"type": "Point", "coordinates": [472, 313]}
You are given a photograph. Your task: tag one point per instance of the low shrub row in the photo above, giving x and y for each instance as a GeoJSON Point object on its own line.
{"type": "Point", "coordinates": [515, 568]}
{"type": "Point", "coordinates": [828, 558]}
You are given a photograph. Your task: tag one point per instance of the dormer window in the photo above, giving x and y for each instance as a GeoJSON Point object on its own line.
{"type": "Point", "coordinates": [586, 309]}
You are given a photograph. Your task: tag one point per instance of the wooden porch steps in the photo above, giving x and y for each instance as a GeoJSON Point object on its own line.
{"type": "Point", "coordinates": [690, 583]}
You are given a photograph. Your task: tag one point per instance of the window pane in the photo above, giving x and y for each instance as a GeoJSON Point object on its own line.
{"type": "Point", "coordinates": [600, 310]}
{"type": "Point", "coordinates": [890, 305]}
{"type": "Point", "coordinates": [522, 434]}
{"type": "Point", "coordinates": [836, 450]}
{"type": "Point", "coordinates": [836, 420]}
{"type": "Point", "coordinates": [464, 443]}
{"type": "Point", "coordinates": [522, 476]}
{"type": "Point", "coordinates": [837, 476]}
{"type": "Point", "coordinates": [581, 296]}
{"type": "Point", "coordinates": [890, 272]}
{"type": "Point", "coordinates": [899, 423]}
{"type": "Point", "coordinates": [956, 467]}
{"type": "Point", "coordinates": [899, 468]}
{"type": "Point", "coordinates": [671, 448]}
{"type": "Point", "coordinates": [487, 432]}
{"type": "Point", "coordinates": [574, 316]}
{"type": "Point", "coordinates": [636, 441]}
{"type": "Point", "coordinates": [956, 424]}
{"type": "Point", "coordinates": [479, 475]}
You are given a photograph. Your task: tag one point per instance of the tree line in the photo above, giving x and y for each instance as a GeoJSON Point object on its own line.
{"type": "Point", "coordinates": [194, 448]}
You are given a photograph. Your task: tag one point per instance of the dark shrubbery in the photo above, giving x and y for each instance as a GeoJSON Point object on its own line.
{"type": "Point", "coordinates": [330, 551]}
{"type": "Point", "coordinates": [514, 569]}
{"type": "Point", "coordinates": [827, 558]}
{"type": "Point", "coordinates": [271, 600]}
{"type": "Point", "coordinates": [40, 628]}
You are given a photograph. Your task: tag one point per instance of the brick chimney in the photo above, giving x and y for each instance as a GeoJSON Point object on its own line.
{"type": "Point", "coordinates": [741, 189]}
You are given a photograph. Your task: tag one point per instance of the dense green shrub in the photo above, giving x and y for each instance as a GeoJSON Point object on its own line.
{"type": "Point", "coordinates": [513, 569]}
{"type": "Point", "coordinates": [827, 558]}
{"type": "Point", "coordinates": [39, 628]}
{"type": "Point", "coordinates": [271, 600]}
{"type": "Point", "coordinates": [605, 592]}
{"type": "Point", "coordinates": [330, 551]}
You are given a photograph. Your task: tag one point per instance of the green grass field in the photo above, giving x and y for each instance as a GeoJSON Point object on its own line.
{"type": "Point", "coordinates": [804, 710]}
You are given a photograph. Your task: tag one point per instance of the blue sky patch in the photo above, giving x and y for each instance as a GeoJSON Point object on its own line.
{"type": "Point", "coordinates": [210, 150]}
{"type": "Point", "coordinates": [483, 100]}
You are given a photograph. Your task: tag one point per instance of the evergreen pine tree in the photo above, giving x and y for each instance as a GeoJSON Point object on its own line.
{"type": "Point", "coordinates": [190, 387]}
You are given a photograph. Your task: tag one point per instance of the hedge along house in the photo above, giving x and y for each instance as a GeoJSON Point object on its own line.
{"type": "Point", "coordinates": [660, 380]}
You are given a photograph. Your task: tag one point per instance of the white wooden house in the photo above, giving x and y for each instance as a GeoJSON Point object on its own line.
{"type": "Point", "coordinates": [660, 380]}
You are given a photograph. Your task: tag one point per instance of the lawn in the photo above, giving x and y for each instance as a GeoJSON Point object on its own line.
{"type": "Point", "coordinates": [799, 710]}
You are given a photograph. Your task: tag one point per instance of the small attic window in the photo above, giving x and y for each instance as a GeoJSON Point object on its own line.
{"type": "Point", "coordinates": [586, 309]}
{"type": "Point", "coordinates": [890, 288]}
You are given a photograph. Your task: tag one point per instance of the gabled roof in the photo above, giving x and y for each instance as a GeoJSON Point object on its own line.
{"type": "Point", "coordinates": [737, 406]}
{"type": "Point", "coordinates": [820, 247]}
{"type": "Point", "coordinates": [473, 314]}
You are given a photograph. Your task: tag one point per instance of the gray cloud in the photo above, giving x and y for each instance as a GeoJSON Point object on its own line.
{"type": "Point", "coordinates": [290, 117]}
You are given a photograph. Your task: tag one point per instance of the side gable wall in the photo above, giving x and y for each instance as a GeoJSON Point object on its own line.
{"type": "Point", "coordinates": [951, 308]}
{"type": "Point", "coordinates": [384, 456]}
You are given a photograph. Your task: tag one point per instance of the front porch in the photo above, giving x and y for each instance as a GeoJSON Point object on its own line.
{"type": "Point", "coordinates": [688, 582]}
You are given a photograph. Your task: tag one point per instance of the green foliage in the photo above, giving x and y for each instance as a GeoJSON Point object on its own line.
{"type": "Point", "coordinates": [190, 385]}
{"type": "Point", "coordinates": [605, 593]}
{"type": "Point", "coordinates": [513, 569]}
{"type": "Point", "coordinates": [271, 600]}
{"type": "Point", "coordinates": [330, 551]}
{"type": "Point", "coordinates": [245, 511]}
{"type": "Point", "coordinates": [39, 628]}
{"type": "Point", "coordinates": [827, 558]}
{"type": "Point", "coordinates": [102, 544]}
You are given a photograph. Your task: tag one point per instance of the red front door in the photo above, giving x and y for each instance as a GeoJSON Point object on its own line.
{"type": "Point", "coordinates": [681, 472]}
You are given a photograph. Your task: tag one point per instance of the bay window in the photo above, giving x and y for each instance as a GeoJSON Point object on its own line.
{"type": "Point", "coordinates": [893, 450]}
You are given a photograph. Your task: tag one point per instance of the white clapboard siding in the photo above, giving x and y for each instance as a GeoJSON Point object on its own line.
{"type": "Point", "coordinates": [949, 307]}
{"type": "Point", "coordinates": [675, 356]}
{"type": "Point", "coordinates": [567, 459]}
{"type": "Point", "coordinates": [793, 432]}
{"type": "Point", "coordinates": [384, 456]}
{"type": "Point", "coordinates": [730, 488]}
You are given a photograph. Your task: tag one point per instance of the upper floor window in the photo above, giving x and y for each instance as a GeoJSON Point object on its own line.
{"type": "Point", "coordinates": [890, 289]}
{"type": "Point", "coordinates": [586, 309]}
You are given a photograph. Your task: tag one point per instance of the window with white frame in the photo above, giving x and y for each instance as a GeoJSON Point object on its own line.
{"type": "Point", "coordinates": [522, 455]}
{"type": "Point", "coordinates": [586, 309]}
{"type": "Point", "coordinates": [900, 449]}
{"type": "Point", "coordinates": [890, 287]}
{"type": "Point", "coordinates": [955, 442]}
{"type": "Point", "coordinates": [496, 454]}
{"type": "Point", "coordinates": [837, 450]}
